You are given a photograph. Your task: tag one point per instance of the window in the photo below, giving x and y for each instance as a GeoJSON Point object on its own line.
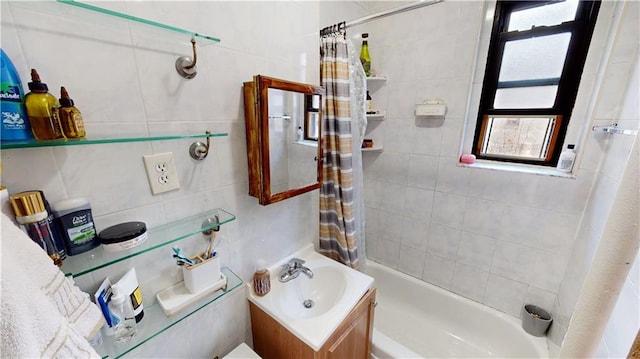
{"type": "Point", "coordinates": [536, 55]}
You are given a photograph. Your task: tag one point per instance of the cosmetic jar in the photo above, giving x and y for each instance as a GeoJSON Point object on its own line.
{"type": "Point", "coordinates": [123, 236]}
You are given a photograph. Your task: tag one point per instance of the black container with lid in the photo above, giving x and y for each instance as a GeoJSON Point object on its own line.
{"type": "Point", "coordinates": [123, 236]}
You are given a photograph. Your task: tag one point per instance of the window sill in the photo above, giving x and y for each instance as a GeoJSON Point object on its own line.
{"type": "Point", "coordinates": [307, 143]}
{"type": "Point", "coordinates": [512, 167]}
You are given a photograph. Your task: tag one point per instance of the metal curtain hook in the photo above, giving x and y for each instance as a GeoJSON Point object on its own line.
{"type": "Point", "coordinates": [187, 67]}
{"type": "Point", "coordinates": [199, 150]}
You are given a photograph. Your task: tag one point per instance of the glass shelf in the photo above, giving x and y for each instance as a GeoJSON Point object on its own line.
{"type": "Point", "coordinates": [204, 39]}
{"type": "Point", "coordinates": [166, 234]}
{"type": "Point", "coordinates": [155, 322]}
{"type": "Point", "coordinates": [375, 80]}
{"type": "Point", "coordinates": [5, 145]}
{"type": "Point", "coordinates": [379, 116]}
{"type": "Point", "coordinates": [91, 14]}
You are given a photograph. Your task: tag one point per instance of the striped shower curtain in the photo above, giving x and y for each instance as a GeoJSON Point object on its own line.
{"type": "Point", "coordinates": [337, 227]}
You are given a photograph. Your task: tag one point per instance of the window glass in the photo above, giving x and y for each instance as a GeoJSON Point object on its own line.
{"type": "Point", "coordinates": [535, 58]}
{"type": "Point", "coordinates": [526, 137]}
{"type": "Point", "coordinates": [526, 97]}
{"type": "Point", "coordinates": [551, 14]}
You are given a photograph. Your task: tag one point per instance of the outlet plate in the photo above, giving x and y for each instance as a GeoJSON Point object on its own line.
{"type": "Point", "coordinates": [161, 172]}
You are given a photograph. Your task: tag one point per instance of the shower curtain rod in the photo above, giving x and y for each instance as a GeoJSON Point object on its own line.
{"type": "Point", "coordinates": [390, 12]}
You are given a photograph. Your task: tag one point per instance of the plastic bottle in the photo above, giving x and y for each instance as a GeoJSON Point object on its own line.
{"type": "Point", "coordinates": [15, 124]}
{"type": "Point", "coordinates": [299, 134]}
{"type": "Point", "coordinates": [365, 59]}
{"type": "Point", "coordinates": [42, 110]}
{"type": "Point", "coordinates": [70, 117]}
{"type": "Point", "coordinates": [124, 322]}
{"type": "Point", "coordinates": [261, 280]}
{"type": "Point", "coordinates": [567, 158]}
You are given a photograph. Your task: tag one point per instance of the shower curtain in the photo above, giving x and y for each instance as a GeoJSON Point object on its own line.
{"type": "Point", "coordinates": [340, 230]}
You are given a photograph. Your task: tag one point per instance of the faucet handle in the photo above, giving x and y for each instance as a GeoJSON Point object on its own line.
{"type": "Point", "coordinates": [296, 262]}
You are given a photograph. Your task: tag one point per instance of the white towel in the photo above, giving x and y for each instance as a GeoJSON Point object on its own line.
{"type": "Point", "coordinates": [44, 314]}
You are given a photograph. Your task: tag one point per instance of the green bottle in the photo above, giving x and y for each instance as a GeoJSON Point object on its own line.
{"type": "Point", "coordinates": [365, 59]}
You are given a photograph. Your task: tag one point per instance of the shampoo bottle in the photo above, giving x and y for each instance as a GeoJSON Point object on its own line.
{"type": "Point", "coordinates": [70, 117]}
{"type": "Point", "coordinates": [124, 322]}
{"type": "Point", "coordinates": [567, 158]}
{"type": "Point", "coordinates": [42, 110]}
{"type": "Point", "coordinates": [15, 124]}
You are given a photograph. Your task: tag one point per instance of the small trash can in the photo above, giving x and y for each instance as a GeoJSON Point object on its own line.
{"type": "Point", "coordinates": [535, 320]}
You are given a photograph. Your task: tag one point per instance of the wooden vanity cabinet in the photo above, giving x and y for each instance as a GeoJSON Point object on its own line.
{"type": "Point", "coordinates": [351, 340]}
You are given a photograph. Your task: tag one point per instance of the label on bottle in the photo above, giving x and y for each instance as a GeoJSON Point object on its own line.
{"type": "Point", "coordinates": [10, 92]}
{"type": "Point", "coordinates": [566, 164]}
{"type": "Point", "coordinates": [261, 284]}
{"type": "Point", "coordinates": [13, 116]}
{"type": "Point", "coordinates": [366, 65]}
{"type": "Point", "coordinates": [79, 227]}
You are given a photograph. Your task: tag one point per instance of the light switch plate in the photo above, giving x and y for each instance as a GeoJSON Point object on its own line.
{"type": "Point", "coordinates": [161, 172]}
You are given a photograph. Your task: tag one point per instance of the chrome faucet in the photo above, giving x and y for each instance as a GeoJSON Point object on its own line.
{"type": "Point", "coordinates": [292, 269]}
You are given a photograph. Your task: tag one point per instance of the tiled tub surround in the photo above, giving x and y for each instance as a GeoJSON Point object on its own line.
{"type": "Point", "coordinates": [500, 238]}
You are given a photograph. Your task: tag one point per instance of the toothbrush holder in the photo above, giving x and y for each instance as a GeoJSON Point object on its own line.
{"type": "Point", "coordinates": [203, 274]}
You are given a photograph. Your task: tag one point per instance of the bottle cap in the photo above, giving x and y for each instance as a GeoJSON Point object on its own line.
{"type": "Point", "coordinates": [116, 296]}
{"type": "Point", "coordinates": [65, 100]}
{"type": "Point", "coordinates": [261, 266]}
{"type": "Point", "coordinates": [571, 147]}
{"type": "Point", "coordinates": [36, 85]}
{"type": "Point", "coordinates": [365, 35]}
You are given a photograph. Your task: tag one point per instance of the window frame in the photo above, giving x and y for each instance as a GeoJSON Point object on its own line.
{"type": "Point", "coordinates": [581, 28]}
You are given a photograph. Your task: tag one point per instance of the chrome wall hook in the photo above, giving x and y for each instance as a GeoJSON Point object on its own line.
{"type": "Point", "coordinates": [187, 67]}
{"type": "Point", "coordinates": [199, 150]}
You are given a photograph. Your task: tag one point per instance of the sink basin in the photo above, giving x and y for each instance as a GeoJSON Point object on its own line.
{"type": "Point", "coordinates": [306, 297]}
{"type": "Point", "coordinates": [312, 308]}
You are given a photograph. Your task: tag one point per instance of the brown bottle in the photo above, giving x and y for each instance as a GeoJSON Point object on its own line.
{"type": "Point", "coordinates": [42, 110]}
{"type": "Point", "coordinates": [70, 117]}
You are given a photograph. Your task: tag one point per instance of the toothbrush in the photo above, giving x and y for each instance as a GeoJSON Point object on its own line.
{"type": "Point", "coordinates": [181, 257]}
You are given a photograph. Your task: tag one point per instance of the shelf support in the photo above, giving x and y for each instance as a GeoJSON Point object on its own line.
{"type": "Point", "coordinates": [187, 67]}
{"type": "Point", "coordinates": [199, 150]}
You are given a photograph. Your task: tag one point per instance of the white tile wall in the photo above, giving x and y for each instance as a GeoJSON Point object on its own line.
{"type": "Point", "coordinates": [500, 238]}
{"type": "Point", "coordinates": [124, 82]}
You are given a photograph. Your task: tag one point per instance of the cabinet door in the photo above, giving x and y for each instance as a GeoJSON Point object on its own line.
{"type": "Point", "coordinates": [352, 340]}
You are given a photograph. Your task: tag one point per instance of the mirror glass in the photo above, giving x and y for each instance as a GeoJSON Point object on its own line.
{"type": "Point", "coordinates": [292, 147]}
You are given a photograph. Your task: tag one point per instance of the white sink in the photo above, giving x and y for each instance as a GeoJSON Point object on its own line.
{"type": "Point", "coordinates": [334, 290]}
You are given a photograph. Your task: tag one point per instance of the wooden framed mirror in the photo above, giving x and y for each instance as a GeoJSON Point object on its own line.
{"type": "Point", "coordinates": [282, 126]}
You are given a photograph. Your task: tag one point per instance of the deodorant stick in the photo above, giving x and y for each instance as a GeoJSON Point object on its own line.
{"type": "Point", "coordinates": [75, 223]}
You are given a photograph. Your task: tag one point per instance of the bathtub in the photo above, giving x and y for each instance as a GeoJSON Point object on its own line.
{"type": "Point", "coordinates": [414, 319]}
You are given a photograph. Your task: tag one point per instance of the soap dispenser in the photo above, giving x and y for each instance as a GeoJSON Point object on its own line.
{"type": "Point", "coordinates": [124, 321]}
{"type": "Point", "coordinates": [261, 279]}
{"type": "Point", "coordinates": [42, 110]}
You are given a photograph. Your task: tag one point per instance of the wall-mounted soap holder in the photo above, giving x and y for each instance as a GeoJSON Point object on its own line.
{"type": "Point", "coordinates": [613, 129]}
